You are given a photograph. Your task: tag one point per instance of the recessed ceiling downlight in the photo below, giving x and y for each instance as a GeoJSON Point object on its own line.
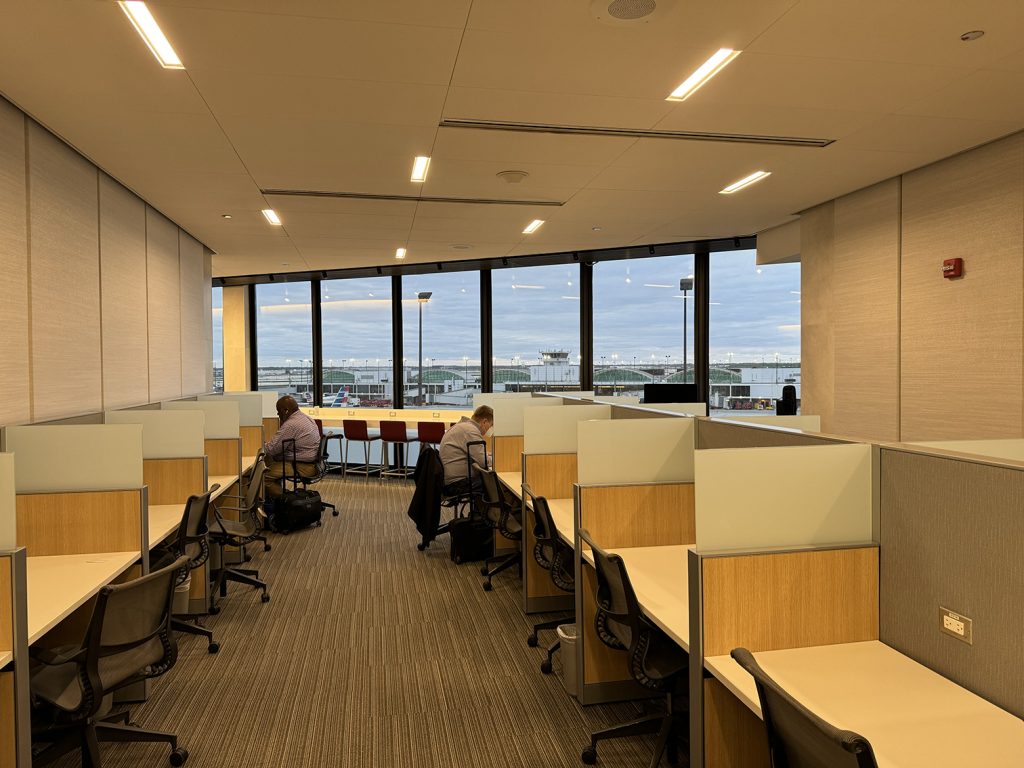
{"type": "Point", "coordinates": [972, 35]}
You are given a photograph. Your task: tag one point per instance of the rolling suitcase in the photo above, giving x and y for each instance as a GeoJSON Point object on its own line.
{"type": "Point", "coordinates": [298, 508]}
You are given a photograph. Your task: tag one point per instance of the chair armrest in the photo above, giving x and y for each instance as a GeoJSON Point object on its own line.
{"type": "Point", "coordinates": [55, 657]}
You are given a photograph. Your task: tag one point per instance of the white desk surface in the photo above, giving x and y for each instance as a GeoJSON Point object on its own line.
{"type": "Point", "coordinates": [513, 481]}
{"type": "Point", "coordinates": [563, 513]}
{"type": "Point", "coordinates": [164, 520]}
{"type": "Point", "coordinates": [58, 584]}
{"type": "Point", "coordinates": [247, 462]}
{"type": "Point", "coordinates": [6, 657]}
{"type": "Point", "coordinates": [911, 715]}
{"type": "Point", "coordinates": [225, 482]}
{"type": "Point", "coordinates": [659, 579]}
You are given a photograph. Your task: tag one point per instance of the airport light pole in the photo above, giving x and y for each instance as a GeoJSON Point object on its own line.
{"type": "Point", "coordinates": [422, 297]}
{"type": "Point", "coordinates": [685, 285]}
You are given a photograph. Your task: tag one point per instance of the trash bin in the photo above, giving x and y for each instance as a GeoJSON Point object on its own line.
{"type": "Point", "coordinates": [180, 602]}
{"type": "Point", "coordinates": [567, 637]}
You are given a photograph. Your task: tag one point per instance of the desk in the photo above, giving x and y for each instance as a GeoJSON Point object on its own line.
{"type": "Point", "coordinates": [659, 579]}
{"type": "Point", "coordinates": [912, 716]}
{"type": "Point", "coordinates": [58, 584]}
{"type": "Point", "coordinates": [247, 462]}
{"type": "Point", "coordinates": [6, 657]}
{"type": "Point", "coordinates": [513, 481]}
{"type": "Point", "coordinates": [164, 519]}
{"type": "Point", "coordinates": [225, 482]}
{"type": "Point", "coordinates": [563, 512]}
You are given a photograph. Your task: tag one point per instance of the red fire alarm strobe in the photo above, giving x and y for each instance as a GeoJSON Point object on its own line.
{"type": "Point", "coordinates": [953, 268]}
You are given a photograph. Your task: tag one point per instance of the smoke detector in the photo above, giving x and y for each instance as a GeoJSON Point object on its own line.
{"type": "Point", "coordinates": [512, 177]}
{"type": "Point", "coordinates": [627, 12]}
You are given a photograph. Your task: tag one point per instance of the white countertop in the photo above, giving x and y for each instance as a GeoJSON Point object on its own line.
{"type": "Point", "coordinates": [563, 513]}
{"type": "Point", "coordinates": [164, 519]}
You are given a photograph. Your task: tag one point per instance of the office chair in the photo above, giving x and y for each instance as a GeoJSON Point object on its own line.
{"type": "Point", "coordinates": [503, 518]}
{"type": "Point", "coordinates": [129, 639]}
{"type": "Point", "coordinates": [798, 738]}
{"type": "Point", "coordinates": [556, 557]}
{"type": "Point", "coordinates": [395, 433]}
{"type": "Point", "coordinates": [191, 542]}
{"type": "Point", "coordinates": [357, 431]}
{"type": "Point", "coordinates": [655, 661]}
{"type": "Point", "coordinates": [323, 467]}
{"type": "Point", "coordinates": [233, 533]}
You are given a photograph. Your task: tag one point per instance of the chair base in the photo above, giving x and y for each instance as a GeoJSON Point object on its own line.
{"type": "Point", "coordinates": [665, 725]}
{"type": "Point", "coordinates": [86, 737]}
{"type": "Point", "coordinates": [540, 626]}
{"type": "Point", "coordinates": [504, 563]}
{"type": "Point", "coordinates": [190, 625]}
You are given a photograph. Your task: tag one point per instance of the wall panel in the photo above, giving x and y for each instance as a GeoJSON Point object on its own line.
{"type": "Point", "coordinates": [15, 405]}
{"type": "Point", "coordinates": [865, 311]}
{"type": "Point", "coordinates": [961, 347]}
{"type": "Point", "coordinates": [196, 328]}
{"type": "Point", "coordinates": [65, 279]}
{"type": "Point", "coordinates": [123, 292]}
{"type": "Point", "coordinates": [164, 285]}
{"type": "Point", "coordinates": [817, 388]}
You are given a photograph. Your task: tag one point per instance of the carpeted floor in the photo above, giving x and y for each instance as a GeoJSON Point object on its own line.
{"type": "Point", "coordinates": [370, 653]}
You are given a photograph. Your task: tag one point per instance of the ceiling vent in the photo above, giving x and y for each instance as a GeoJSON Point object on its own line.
{"type": "Point", "coordinates": [627, 12]}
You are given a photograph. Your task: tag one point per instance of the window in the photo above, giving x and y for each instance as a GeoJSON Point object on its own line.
{"type": "Point", "coordinates": [356, 316]}
{"type": "Point", "coordinates": [754, 331]}
{"type": "Point", "coordinates": [536, 328]}
{"type": "Point", "coordinates": [284, 339]}
{"type": "Point", "coordinates": [218, 339]}
{"type": "Point", "coordinates": [451, 339]}
{"type": "Point", "coordinates": [639, 324]}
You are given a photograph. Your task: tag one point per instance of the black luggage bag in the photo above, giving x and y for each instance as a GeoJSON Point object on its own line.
{"type": "Point", "coordinates": [472, 539]}
{"type": "Point", "coordinates": [298, 508]}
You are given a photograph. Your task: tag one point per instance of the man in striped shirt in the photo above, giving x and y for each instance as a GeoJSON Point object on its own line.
{"type": "Point", "coordinates": [297, 426]}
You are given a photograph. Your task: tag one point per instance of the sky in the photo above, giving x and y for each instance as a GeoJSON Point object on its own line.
{"type": "Point", "coordinates": [755, 314]}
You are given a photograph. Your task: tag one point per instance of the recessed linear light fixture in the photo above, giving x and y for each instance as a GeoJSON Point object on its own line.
{"type": "Point", "coordinates": [400, 253]}
{"type": "Point", "coordinates": [157, 42]}
{"type": "Point", "coordinates": [419, 168]}
{"type": "Point", "coordinates": [271, 216]}
{"type": "Point", "coordinates": [657, 285]}
{"type": "Point", "coordinates": [533, 226]}
{"type": "Point", "coordinates": [702, 74]}
{"type": "Point", "coordinates": [745, 182]}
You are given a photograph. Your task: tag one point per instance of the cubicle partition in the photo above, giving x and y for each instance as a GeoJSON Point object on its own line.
{"type": "Point", "coordinates": [250, 421]}
{"type": "Point", "coordinates": [221, 428]}
{"type": "Point", "coordinates": [507, 435]}
{"type": "Point", "coordinates": [15, 726]}
{"type": "Point", "coordinates": [784, 558]}
{"type": "Point", "coordinates": [760, 432]}
{"type": "Point", "coordinates": [635, 497]}
{"type": "Point", "coordinates": [270, 420]}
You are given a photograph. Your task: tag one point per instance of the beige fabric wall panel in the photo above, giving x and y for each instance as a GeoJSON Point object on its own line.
{"type": "Point", "coordinates": [196, 320]}
{"type": "Point", "coordinates": [816, 339]}
{"type": "Point", "coordinates": [123, 293]}
{"type": "Point", "coordinates": [961, 339]}
{"type": "Point", "coordinates": [865, 315]}
{"type": "Point", "coordinates": [15, 406]}
{"type": "Point", "coordinates": [236, 341]}
{"type": "Point", "coordinates": [8, 527]}
{"type": "Point", "coordinates": [164, 307]}
{"type": "Point", "coordinates": [65, 279]}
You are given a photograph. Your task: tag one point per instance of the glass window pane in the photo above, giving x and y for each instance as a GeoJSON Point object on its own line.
{"type": "Point", "coordinates": [755, 331]}
{"type": "Point", "coordinates": [536, 328]}
{"type": "Point", "coordinates": [451, 339]}
{"type": "Point", "coordinates": [357, 342]}
{"type": "Point", "coordinates": [284, 339]}
{"type": "Point", "coordinates": [640, 330]}
{"type": "Point", "coordinates": [218, 339]}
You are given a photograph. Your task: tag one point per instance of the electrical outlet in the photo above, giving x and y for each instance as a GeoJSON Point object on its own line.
{"type": "Point", "coordinates": [957, 626]}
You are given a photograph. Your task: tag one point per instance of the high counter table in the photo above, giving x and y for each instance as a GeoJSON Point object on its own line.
{"type": "Point", "coordinates": [333, 417]}
{"type": "Point", "coordinates": [912, 716]}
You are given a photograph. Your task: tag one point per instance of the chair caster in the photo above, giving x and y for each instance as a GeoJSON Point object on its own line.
{"type": "Point", "coordinates": [532, 641]}
{"type": "Point", "coordinates": [179, 756]}
{"type": "Point", "coordinates": [319, 523]}
{"type": "Point", "coordinates": [335, 513]}
{"type": "Point", "coordinates": [266, 547]}
{"type": "Point", "coordinates": [487, 586]}
{"type": "Point", "coordinates": [483, 571]}
{"type": "Point", "coordinates": [264, 598]}
{"type": "Point", "coordinates": [213, 647]}
{"type": "Point", "coordinates": [589, 756]}
{"type": "Point", "coordinates": [545, 667]}
{"type": "Point", "coordinates": [214, 610]}
{"type": "Point", "coordinates": [421, 547]}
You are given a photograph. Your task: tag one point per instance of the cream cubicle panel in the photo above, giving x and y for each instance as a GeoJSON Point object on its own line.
{"type": "Point", "coordinates": [690, 409]}
{"type": "Point", "coordinates": [784, 558]}
{"type": "Point", "coordinates": [635, 497]}
{"type": "Point", "coordinates": [221, 430]}
{"type": "Point", "coordinates": [507, 435]}
{"type": "Point", "coordinates": [270, 420]}
{"type": "Point", "coordinates": [250, 419]}
{"type": "Point", "coordinates": [807, 423]}
{"type": "Point", "coordinates": [617, 399]}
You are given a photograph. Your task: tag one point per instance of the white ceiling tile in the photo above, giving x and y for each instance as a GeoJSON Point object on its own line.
{"type": "Point", "coordinates": [982, 95]}
{"type": "Point", "coordinates": [437, 13]}
{"type": "Point", "coordinates": [938, 136]}
{"type": "Point", "coordinates": [534, 148]}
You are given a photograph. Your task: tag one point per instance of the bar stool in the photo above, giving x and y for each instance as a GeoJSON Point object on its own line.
{"type": "Point", "coordinates": [430, 432]}
{"type": "Point", "coordinates": [356, 431]}
{"type": "Point", "coordinates": [394, 433]}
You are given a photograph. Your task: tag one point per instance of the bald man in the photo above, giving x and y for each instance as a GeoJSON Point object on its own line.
{"type": "Point", "coordinates": [297, 426]}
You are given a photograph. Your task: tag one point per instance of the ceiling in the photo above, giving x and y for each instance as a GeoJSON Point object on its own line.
{"type": "Point", "coordinates": [338, 96]}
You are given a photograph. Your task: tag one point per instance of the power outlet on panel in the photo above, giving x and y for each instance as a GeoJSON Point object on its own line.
{"type": "Point", "coordinates": [957, 625]}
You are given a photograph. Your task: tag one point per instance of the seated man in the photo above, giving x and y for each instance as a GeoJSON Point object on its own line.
{"type": "Point", "coordinates": [297, 426]}
{"type": "Point", "coordinates": [455, 448]}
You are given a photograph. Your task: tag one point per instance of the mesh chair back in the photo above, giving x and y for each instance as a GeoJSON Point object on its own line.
{"type": "Point", "coordinates": [430, 431]}
{"type": "Point", "coordinates": [129, 637]}
{"type": "Point", "coordinates": [393, 432]}
{"type": "Point", "coordinates": [192, 533]}
{"type": "Point", "coordinates": [252, 491]}
{"type": "Point", "coordinates": [618, 612]}
{"type": "Point", "coordinates": [797, 737]}
{"type": "Point", "coordinates": [491, 499]}
{"type": "Point", "coordinates": [355, 429]}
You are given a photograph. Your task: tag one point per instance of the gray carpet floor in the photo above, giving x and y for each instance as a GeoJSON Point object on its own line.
{"type": "Point", "coordinates": [370, 654]}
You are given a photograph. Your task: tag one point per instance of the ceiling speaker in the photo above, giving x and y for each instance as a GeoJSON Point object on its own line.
{"type": "Point", "coordinates": [627, 12]}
